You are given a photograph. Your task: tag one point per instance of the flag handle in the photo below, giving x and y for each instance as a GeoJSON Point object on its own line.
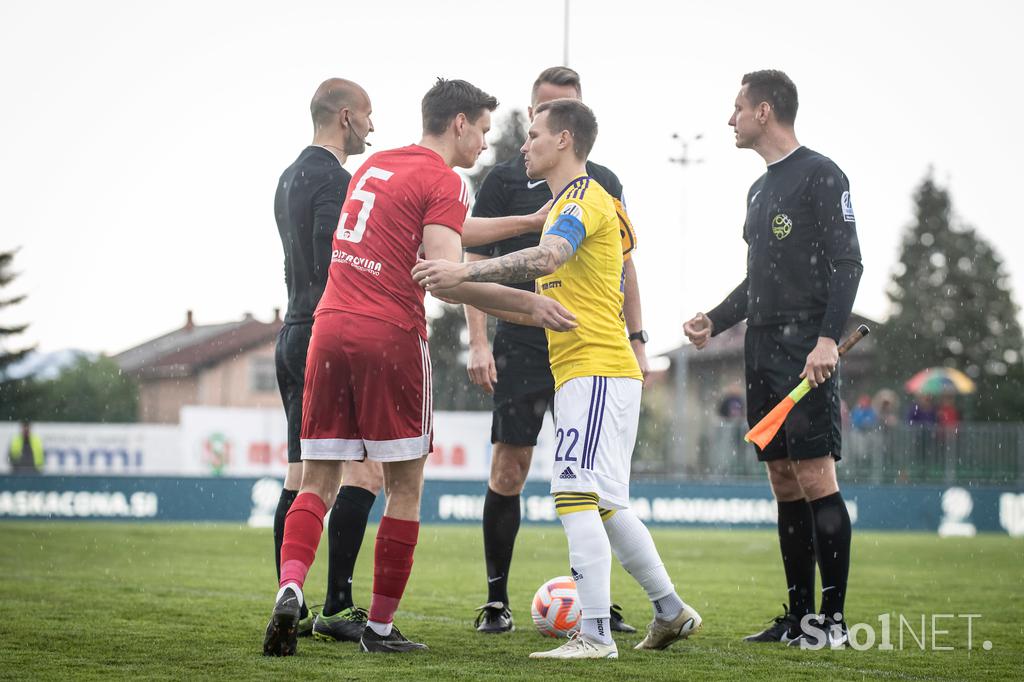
{"type": "Point", "coordinates": [765, 430]}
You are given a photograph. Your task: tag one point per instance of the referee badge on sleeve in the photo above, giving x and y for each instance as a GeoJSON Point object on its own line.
{"type": "Point", "coordinates": [847, 207]}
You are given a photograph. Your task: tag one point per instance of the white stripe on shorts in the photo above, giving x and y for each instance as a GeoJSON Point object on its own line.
{"type": "Point", "coordinates": [331, 448]}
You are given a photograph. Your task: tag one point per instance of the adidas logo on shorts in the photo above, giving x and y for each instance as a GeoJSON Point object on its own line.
{"type": "Point", "coordinates": [567, 474]}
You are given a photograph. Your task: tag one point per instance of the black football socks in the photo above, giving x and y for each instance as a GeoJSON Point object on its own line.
{"type": "Point", "coordinates": [796, 540]}
{"type": "Point", "coordinates": [284, 503]}
{"type": "Point", "coordinates": [345, 531]}
{"type": "Point", "coordinates": [832, 541]}
{"type": "Point", "coordinates": [501, 525]}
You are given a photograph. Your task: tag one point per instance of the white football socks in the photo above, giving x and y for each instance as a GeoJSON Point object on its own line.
{"type": "Point", "coordinates": [635, 550]}
{"type": "Point", "coordinates": [290, 586]}
{"type": "Point", "coordinates": [668, 607]}
{"type": "Point", "coordinates": [382, 629]}
{"type": "Point", "coordinates": [590, 557]}
{"type": "Point", "coordinates": [597, 629]}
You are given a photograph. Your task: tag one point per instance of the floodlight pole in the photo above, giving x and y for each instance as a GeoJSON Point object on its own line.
{"type": "Point", "coordinates": [680, 361]}
{"type": "Point", "coordinates": [684, 159]}
{"type": "Point", "coordinates": [565, 37]}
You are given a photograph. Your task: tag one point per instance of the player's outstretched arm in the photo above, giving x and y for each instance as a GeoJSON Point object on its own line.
{"type": "Point", "coordinates": [520, 266]}
{"type": "Point", "coordinates": [477, 231]}
{"type": "Point", "coordinates": [441, 247]}
{"type": "Point", "coordinates": [514, 305]}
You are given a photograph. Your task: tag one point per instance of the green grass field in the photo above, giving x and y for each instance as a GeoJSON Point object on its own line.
{"type": "Point", "coordinates": [90, 600]}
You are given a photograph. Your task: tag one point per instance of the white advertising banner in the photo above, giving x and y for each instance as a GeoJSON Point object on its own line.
{"type": "Point", "coordinates": [235, 441]}
{"type": "Point", "coordinates": [231, 441]}
{"type": "Point", "coordinates": [105, 449]}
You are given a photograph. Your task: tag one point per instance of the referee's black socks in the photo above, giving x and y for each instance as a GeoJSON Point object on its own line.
{"type": "Point", "coordinates": [345, 531]}
{"type": "Point", "coordinates": [501, 525]}
{"type": "Point", "coordinates": [832, 542]}
{"type": "Point", "coordinates": [796, 540]}
{"type": "Point", "coordinates": [284, 503]}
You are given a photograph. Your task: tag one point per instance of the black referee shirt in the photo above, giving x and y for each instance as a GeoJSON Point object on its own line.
{"type": "Point", "coordinates": [508, 191]}
{"type": "Point", "coordinates": [803, 259]}
{"type": "Point", "coordinates": [308, 206]}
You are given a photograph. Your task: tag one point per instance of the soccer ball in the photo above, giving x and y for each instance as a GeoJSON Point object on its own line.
{"type": "Point", "coordinates": [556, 609]}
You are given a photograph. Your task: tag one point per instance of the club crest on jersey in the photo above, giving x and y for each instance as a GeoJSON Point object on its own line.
{"type": "Point", "coordinates": [573, 210]}
{"type": "Point", "coordinates": [781, 226]}
{"type": "Point", "coordinates": [847, 206]}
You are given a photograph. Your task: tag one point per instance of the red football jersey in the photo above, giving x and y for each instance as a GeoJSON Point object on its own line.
{"type": "Point", "coordinates": [390, 198]}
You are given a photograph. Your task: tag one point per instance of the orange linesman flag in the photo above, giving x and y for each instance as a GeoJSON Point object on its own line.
{"type": "Point", "coordinates": [765, 430]}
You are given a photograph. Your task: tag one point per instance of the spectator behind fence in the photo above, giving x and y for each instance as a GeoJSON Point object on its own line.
{"type": "Point", "coordinates": [947, 416]}
{"type": "Point", "coordinates": [26, 451]}
{"type": "Point", "coordinates": [864, 416]}
{"type": "Point", "coordinates": [922, 412]}
{"type": "Point", "coordinates": [731, 407]}
{"type": "Point", "coordinates": [886, 407]}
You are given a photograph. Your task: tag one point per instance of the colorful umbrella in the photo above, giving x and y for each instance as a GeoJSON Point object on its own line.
{"type": "Point", "coordinates": [940, 381]}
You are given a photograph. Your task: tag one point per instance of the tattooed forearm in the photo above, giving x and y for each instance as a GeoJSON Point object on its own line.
{"type": "Point", "coordinates": [521, 266]}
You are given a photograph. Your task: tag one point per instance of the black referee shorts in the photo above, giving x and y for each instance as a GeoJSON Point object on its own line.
{"type": "Point", "coordinates": [290, 359]}
{"type": "Point", "coordinates": [525, 389]}
{"type": "Point", "coordinates": [775, 357]}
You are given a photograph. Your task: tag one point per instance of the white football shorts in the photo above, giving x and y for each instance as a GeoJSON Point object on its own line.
{"type": "Point", "coordinates": [595, 430]}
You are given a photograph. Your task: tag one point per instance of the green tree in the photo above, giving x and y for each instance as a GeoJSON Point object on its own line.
{"type": "Point", "coordinates": [952, 306]}
{"type": "Point", "coordinates": [90, 390]}
{"type": "Point", "coordinates": [452, 388]}
{"type": "Point", "coordinates": [9, 357]}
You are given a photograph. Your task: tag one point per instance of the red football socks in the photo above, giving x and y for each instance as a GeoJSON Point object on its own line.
{"type": "Point", "coordinates": [302, 529]}
{"type": "Point", "coordinates": [392, 564]}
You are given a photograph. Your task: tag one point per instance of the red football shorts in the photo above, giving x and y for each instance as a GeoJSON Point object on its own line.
{"type": "Point", "coordinates": [367, 390]}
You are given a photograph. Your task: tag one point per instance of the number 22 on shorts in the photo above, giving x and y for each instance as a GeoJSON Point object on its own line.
{"type": "Point", "coordinates": [573, 437]}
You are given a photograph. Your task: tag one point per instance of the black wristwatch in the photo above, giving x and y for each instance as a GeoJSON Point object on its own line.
{"type": "Point", "coordinates": [640, 336]}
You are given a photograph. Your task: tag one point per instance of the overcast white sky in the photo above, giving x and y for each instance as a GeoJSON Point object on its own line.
{"type": "Point", "coordinates": [142, 142]}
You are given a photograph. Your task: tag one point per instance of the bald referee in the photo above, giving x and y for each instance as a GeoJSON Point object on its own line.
{"type": "Point", "coordinates": [803, 268]}
{"type": "Point", "coordinates": [307, 206]}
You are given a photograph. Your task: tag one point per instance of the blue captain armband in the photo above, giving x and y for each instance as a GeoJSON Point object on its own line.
{"type": "Point", "coordinates": [569, 227]}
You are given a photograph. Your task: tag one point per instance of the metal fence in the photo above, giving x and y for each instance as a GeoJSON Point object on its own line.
{"type": "Point", "coordinates": [970, 453]}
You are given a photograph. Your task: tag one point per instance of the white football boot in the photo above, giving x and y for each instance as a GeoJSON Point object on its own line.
{"type": "Point", "coordinates": [580, 646]}
{"type": "Point", "coordinates": [660, 633]}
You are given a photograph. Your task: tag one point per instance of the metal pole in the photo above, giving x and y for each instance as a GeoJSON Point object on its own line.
{"type": "Point", "coordinates": [678, 444]}
{"type": "Point", "coordinates": [565, 37]}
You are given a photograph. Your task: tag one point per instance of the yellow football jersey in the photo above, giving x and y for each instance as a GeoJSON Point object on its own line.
{"type": "Point", "coordinates": [589, 284]}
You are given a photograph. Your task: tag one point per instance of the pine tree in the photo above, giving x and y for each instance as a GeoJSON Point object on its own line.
{"type": "Point", "coordinates": [9, 357]}
{"type": "Point", "coordinates": [952, 306]}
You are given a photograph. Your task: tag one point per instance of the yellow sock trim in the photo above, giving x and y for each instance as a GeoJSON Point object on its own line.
{"type": "Point", "coordinates": [567, 503]}
{"type": "Point", "coordinates": [606, 514]}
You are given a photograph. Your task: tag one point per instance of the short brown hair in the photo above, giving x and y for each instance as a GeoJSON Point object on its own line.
{"type": "Point", "coordinates": [776, 88]}
{"type": "Point", "coordinates": [447, 99]}
{"type": "Point", "coordinates": [558, 75]}
{"type": "Point", "coordinates": [574, 116]}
